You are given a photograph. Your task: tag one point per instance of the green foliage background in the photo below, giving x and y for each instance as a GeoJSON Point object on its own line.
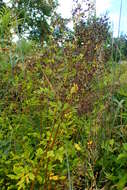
{"type": "Point", "coordinates": [62, 114]}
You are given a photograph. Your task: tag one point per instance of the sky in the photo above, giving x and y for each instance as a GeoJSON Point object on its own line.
{"type": "Point", "coordinates": [112, 7]}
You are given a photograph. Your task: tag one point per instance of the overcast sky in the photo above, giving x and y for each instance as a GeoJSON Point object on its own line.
{"type": "Point", "coordinates": [102, 6]}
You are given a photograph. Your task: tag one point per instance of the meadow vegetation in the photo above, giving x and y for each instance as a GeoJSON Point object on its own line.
{"type": "Point", "coordinates": [63, 106]}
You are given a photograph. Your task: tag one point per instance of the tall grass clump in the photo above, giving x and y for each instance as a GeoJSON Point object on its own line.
{"type": "Point", "coordinates": [62, 110]}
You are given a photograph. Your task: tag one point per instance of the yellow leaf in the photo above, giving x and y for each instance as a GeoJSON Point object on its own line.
{"type": "Point", "coordinates": [54, 178]}
{"type": "Point", "coordinates": [90, 142]}
{"type": "Point", "coordinates": [51, 174]}
{"type": "Point", "coordinates": [27, 179]}
{"type": "Point", "coordinates": [77, 147]}
{"type": "Point", "coordinates": [74, 89]}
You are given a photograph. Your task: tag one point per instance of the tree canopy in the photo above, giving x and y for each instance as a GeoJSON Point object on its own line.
{"type": "Point", "coordinates": [35, 17]}
{"type": "Point", "coordinates": [63, 111]}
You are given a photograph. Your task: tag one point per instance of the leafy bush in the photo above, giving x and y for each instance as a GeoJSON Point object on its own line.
{"type": "Point", "coordinates": [62, 118]}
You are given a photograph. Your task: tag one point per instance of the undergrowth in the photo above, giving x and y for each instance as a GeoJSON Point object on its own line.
{"type": "Point", "coordinates": [62, 117]}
